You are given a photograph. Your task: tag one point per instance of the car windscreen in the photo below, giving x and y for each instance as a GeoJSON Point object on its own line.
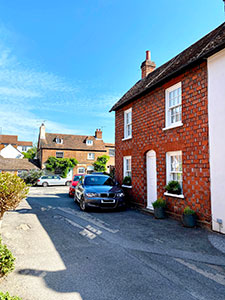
{"type": "Point", "coordinates": [98, 180]}
{"type": "Point", "coordinates": [76, 178]}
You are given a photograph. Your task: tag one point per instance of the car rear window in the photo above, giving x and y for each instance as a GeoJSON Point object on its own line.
{"type": "Point", "coordinates": [98, 180]}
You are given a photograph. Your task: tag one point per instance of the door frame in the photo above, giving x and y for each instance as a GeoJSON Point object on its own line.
{"type": "Point", "coordinates": [151, 154]}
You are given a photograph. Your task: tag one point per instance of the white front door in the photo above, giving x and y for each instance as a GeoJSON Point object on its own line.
{"type": "Point", "coordinates": [151, 178]}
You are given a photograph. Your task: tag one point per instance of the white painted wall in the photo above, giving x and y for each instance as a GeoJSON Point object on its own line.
{"type": "Point", "coordinates": [10, 152]}
{"type": "Point", "coordinates": [20, 148]}
{"type": "Point", "coordinates": [216, 109]}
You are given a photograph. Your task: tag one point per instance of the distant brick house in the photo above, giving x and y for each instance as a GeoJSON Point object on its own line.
{"type": "Point", "coordinates": [15, 165]}
{"type": "Point", "coordinates": [170, 126]}
{"type": "Point", "coordinates": [86, 149]}
{"type": "Point", "coordinates": [10, 147]}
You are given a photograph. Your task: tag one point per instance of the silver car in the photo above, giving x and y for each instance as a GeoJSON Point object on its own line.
{"type": "Point", "coordinates": [46, 180]}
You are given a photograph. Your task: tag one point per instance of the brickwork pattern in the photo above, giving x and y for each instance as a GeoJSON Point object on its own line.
{"type": "Point", "coordinates": [148, 121]}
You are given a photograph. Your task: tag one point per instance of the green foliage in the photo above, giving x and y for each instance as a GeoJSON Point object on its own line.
{"type": "Point", "coordinates": [60, 165]}
{"type": "Point", "coordinates": [6, 296]}
{"type": "Point", "coordinates": [31, 153]}
{"type": "Point", "coordinates": [173, 187]}
{"type": "Point", "coordinates": [12, 190]}
{"type": "Point", "coordinates": [127, 180]}
{"type": "Point", "coordinates": [6, 260]}
{"type": "Point", "coordinates": [100, 164]}
{"type": "Point", "coordinates": [31, 177]}
{"type": "Point", "coordinates": [188, 211]}
{"type": "Point", "coordinates": [159, 203]}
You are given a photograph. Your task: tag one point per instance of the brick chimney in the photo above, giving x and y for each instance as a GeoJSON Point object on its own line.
{"type": "Point", "coordinates": [42, 131]}
{"type": "Point", "coordinates": [147, 66]}
{"type": "Point", "coordinates": [98, 134]}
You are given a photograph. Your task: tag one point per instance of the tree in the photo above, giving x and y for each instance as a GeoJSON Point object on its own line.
{"type": "Point", "coordinates": [12, 190]}
{"type": "Point", "coordinates": [31, 177]}
{"type": "Point", "coordinates": [31, 153]}
{"type": "Point", "coordinates": [60, 165]}
{"type": "Point", "coordinates": [100, 164]}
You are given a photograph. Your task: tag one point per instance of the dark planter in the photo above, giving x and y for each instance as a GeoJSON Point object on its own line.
{"type": "Point", "coordinates": [189, 220]}
{"type": "Point", "coordinates": [159, 212]}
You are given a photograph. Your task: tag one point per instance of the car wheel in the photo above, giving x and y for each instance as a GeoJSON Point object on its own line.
{"type": "Point", "coordinates": [67, 183]}
{"type": "Point", "coordinates": [44, 184]}
{"type": "Point", "coordinates": [83, 205]}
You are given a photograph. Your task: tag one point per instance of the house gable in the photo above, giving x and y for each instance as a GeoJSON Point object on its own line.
{"type": "Point", "coordinates": [11, 152]}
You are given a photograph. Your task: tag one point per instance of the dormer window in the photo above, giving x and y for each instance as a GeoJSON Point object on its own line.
{"type": "Point", "coordinates": [59, 141]}
{"type": "Point", "coordinates": [89, 142]}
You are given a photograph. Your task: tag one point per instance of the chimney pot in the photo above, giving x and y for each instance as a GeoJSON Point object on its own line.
{"type": "Point", "coordinates": [98, 134]}
{"type": "Point", "coordinates": [147, 66]}
{"type": "Point", "coordinates": [148, 55]}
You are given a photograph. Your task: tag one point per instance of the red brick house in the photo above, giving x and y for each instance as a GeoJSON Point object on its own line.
{"type": "Point", "coordinates": [163, 131]}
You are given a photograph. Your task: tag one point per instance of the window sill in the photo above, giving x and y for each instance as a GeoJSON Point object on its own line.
{"type": "Point", "coordinates": [173, 126]}
{"type": "Point", "coordinates": [128, 138]}
{"type": "Point", "coordinates": [174, 195]}
{"type": "Point", "coordinates": [127, 186]}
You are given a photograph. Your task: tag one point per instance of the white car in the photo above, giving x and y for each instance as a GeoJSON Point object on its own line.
{"type": "Point", "coordinates": [46, 180]}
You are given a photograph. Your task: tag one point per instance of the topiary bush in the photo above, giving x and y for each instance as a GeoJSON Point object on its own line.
{"type": "Point", "coordinates": [6, 296]}
{"type": "Point", "coordinates": [127, 180]}
{"type": "Point", "coordinates": [12, 190]}
{"type": "Point", "coordinates": [173, 187]}
{"type": "Point", "coordinates": [188, 211]}
{"type": "Point", "coordinates": [6, 261]}
{"type": "Point", "coordinates": [159, 203]}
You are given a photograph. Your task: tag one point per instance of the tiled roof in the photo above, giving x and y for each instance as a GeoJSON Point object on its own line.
{"type": "Point", "coordinates": [205, 47]}
{"type": "Point", "coordinates": [24, 143]}
{"type": "Point", "coordinates": [13, 139]}
{"type": "Point", "coordinates": [71, 142]}
{"type": "Point", "coordinates": [15, 164]}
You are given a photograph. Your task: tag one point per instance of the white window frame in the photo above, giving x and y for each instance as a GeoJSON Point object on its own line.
{"type": "Point", "coordinates": [125, 170]}
{"type": "Point", "coordinates": [78, 170]}
{"type": "Point", "coordinates": [58, 140]}
{"type": "Point", "coordinates": [168, 108]}
{"type": "Point", "coordinates": [89, 142]}
{"type": "Point", "coordinates": [110, 152]}
{"type": "Point", "coordinates": [24, 148]}
{"type": "Point", "coordinates": [91, 156]}
{"type": "Point", "coordinates": [59, 152]}
{"type": "Point", "coordinates": [126, 125]}
{"type": "Point", "coordinates": [169, 172]}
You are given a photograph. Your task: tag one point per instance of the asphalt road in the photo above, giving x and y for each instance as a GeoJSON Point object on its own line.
{"type": "Point", "coordinates": [63, 253]}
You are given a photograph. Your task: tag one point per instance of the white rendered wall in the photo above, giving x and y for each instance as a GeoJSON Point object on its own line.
{"type": "Point", "coordinates": [10, 152]}
{"type": "Point", "coordinates": [216, 109]}
{"type": "Point", "coordinates": [20, 148]}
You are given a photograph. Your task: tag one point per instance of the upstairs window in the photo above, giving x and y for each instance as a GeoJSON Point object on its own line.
{"type": "Point", "coordinates": [91, 156]}
{"type": "Point", "coordinates": [174, 106]}
{"type": "Point", "coordinates": [59, 154]}
{"type": "Point", "coordinates": [111, 152]}
{"type": "Point", "coordinates": [81, 170]}
{"type": "Point", "coordinates": [89, 142]}
{"type": "Point", "coordinates": [128, 123]}
{"type": "Point", "coordinates": [24, 148]}
{"type": "Point", "coordinates": [59, 140]}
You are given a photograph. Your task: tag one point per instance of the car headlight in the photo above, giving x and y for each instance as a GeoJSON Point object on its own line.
{"type": "Point", "coordinates": [120, 195]}
{"type": "Point", "coordinates": [91, 195]}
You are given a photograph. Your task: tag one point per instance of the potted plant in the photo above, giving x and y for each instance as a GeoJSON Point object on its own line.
{"type": "Point", "coordinates": [189, 217]}
{"type": "Point", "coordinates": [127, 181]}
{"type": "Point", "coordinates": [159, 208]}
{"type": "Point", "coordinates": [173, 187]}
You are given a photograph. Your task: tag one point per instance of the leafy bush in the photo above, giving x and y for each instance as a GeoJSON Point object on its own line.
{"type": "Point", "coordinates": [31, 153]}
{"type": "Point", "coordinates": [31, 177]}
{"type": "Point", "coordinates": [127, 180]}
{"type": "Point", "coordinates": [6, 260]}
{"type": "Point", "coordinates": [159, 203]}
{"type": "Point", "coordinates": [188, 211]}
{"type": "Point", "coordinates": [6, 296]}
{"type": "Point", "coordinates": [12, 190]}
{"type": "Point", "coordinates": [173, 187]}
{"type": "Point", "coordinates": [100, 164]}
{"type": "Point", "coordinates": [60, 165]}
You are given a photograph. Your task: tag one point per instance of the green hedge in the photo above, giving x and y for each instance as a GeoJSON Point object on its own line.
{"type": "Point", "coordinates": [6, 296]}
{"type": "Point", "coordinates": [6, 261]}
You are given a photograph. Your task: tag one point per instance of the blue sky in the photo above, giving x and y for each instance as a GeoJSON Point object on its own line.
{"type": "Point", "coordinates": [67, 62]}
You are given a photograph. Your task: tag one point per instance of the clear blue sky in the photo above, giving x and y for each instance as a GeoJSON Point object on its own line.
{"type": "Point", "coordinates": [67, 62]}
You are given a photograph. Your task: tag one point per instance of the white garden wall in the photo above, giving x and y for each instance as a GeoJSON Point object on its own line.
{"type": "Point", "coordinates": [216, 109]}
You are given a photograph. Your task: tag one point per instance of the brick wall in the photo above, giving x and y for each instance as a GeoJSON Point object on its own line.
{"type": "Point", "coordinates": [148, 120]}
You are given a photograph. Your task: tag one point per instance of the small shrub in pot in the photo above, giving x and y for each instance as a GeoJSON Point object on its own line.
{"type": "Point", "coordinates": [159, 208]}
{"type": "Point", "coordinates": [173, 187]}
{"type": "Point", "coordinates": [127, 180]}
{"type": "Point", "coordinates": [189, 217]}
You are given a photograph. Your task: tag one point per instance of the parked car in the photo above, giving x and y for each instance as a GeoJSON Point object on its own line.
{"type": "Point", "coordinates": [46, 180]}
{"type": "Point", "coordinates": [73, 184]}
{"type": "Point", "coordinates": [99, 191]}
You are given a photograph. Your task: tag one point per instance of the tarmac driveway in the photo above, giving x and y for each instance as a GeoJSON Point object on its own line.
{"type": "Point", "coordinates": [63, 253]}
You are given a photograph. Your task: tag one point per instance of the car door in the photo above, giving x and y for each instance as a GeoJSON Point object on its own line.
{"type": "Point", "coordinates": [58, 180]}
{"type": "Point", "coordinates": [79, 190]}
